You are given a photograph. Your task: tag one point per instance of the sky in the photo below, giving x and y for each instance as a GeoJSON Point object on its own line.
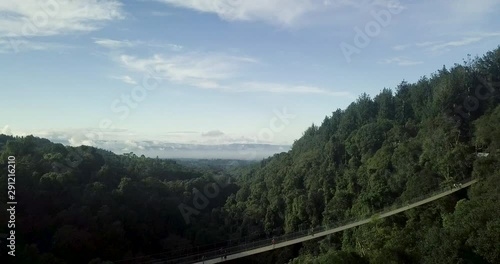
{"type": "Point", "coordinates": [217, 72]}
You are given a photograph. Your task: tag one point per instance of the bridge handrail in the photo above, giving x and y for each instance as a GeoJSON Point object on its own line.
{"type": "Point", "coordinates": [246, 246]}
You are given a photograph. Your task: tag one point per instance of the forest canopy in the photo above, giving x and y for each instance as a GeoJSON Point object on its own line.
{"type": "Point", "coordinates": [88, 205]}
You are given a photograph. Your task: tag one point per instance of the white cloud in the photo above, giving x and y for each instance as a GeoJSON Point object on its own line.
{"type": "Point", "coordinates": [401, 47]}
{"type": "Point", "coordinates": [170, 46]}
{"type": "Point", "coordinates": [175, 47]}
{"type": "Point", "coordinates": [20, 21]}
{"type": "Point", "coordinates": [193, 69]}
{"type": "Point", "coordinates": [213, 133]}
{"type": "Point", "coordinates": [121, 44]}
{"type": "Point", "coordinates": [24, 45]}
{"type": "Point", "coordinates": [76, 136]}
{"type": "Point", "coordinates": [6, 130]}
{"type": "Point", "coordinates": [116, 44]}
{"type": "Point", "coordinates": [401, 61]}
{"type": "Point", "coordinates": [206, 84]}
{"type": "Point", "coordinates": [126, 79]}
{"type": "Point", "coordinates": [213, 71]}
{"type": "Point", "coordinates": [428, 43]}
{"type": "Point", "coordinates": [284, 88]}
{"type": "Point", "coordinates": [437, 46]}
{"type": "Point", "coordinates": [365, 4]}
{"type": "Point", "coordinates": [192, 144]}
{"type": "Point", "coordinates": [472, 38]}
{"type": "Point", "coordinates": [29, 18]}
{"type": "Point", "coordinates": [282, 12]}
{"type": "Point", "coordinates": [457, 43]}
{"type": "Point", "coordinates": [79, 140]}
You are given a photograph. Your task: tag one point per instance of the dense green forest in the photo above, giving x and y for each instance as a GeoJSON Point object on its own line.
{"type": "Point", "coordinates": [394, 147]}
{"type": "Point", "coordinates": [81, 205]}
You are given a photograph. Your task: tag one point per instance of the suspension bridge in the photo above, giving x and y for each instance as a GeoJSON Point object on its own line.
{"type": "Point", "coordinates": [260, 246]}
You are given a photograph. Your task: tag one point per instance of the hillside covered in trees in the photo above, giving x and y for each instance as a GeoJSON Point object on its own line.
{"type": "Point", "coordinates": [83, 204]}
{"type": "Point", "coordinates": [393, 147]}
{"type": "Point", "coordinates": [86, 205]}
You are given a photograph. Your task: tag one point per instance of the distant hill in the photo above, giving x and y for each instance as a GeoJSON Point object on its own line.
{"type": "Point", "coordinates": [247, 151]}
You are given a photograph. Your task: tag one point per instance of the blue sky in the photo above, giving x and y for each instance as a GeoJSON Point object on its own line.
{"type": "Point", "coordinates": [217, 72]}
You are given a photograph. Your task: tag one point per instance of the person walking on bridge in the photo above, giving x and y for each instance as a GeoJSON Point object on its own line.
{"type": "Point", "coordinates": [274, 243]}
